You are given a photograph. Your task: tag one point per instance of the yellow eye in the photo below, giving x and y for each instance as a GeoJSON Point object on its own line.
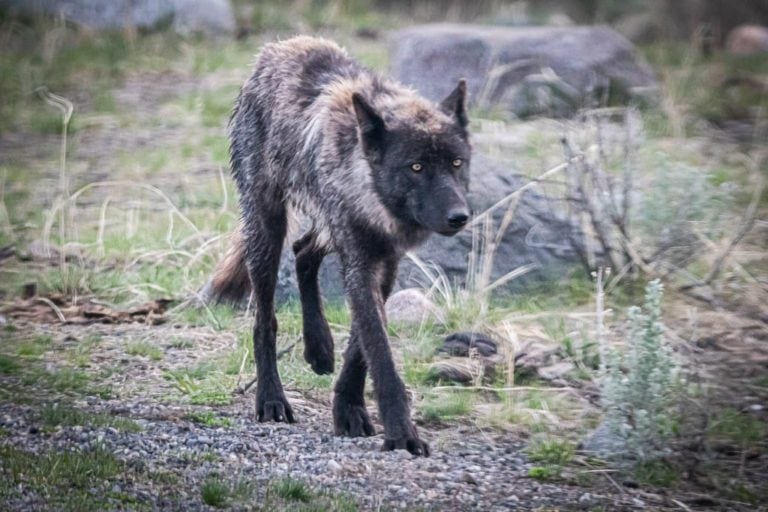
{"type": "Point", "coordinates": [416, 167]}
{"type": "Point", "coordinates": [457, 162]}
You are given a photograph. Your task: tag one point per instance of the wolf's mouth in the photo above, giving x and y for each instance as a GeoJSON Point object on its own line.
{"type": "Point", "coordinates": [450, 232]}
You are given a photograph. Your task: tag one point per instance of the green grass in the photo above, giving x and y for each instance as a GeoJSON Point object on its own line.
{"type": "Point", "coordinates": [739, 428]}
{"type": "Point", "coordinates": [447, 406]}
{"type": "Point", "coordinates": [292, 490]}
{"type": "Point", "coordinates": [204, 384]}
{"type": "Point", "coordinates": [35, 347]}
{"type": "Point", "coordinates": [544, 473]}
{"type": "Point", "coordinates": [209, 419]}
{"type": "Point", "coordinates": [53, 415]}
{"type": "Point", "coordinates": [67, 380]}
{"type": "Point", "coordinates": [8, 365]}
{"type": "Point", "coordinates": [144, 349]}
{"type": "Point", "coordinates": [552, 455]}
{"type": "Point", "coordinates": [551, 451]}
{"type": "Point", "coordinates": [63, 479]}
{"type": "Point", "coordinates": [657, 473]}
{"type": "Point", "coordinates": [214, 492]}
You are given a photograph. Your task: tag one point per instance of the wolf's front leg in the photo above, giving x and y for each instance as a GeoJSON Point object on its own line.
{"type": "Point", "coordinates": [367, 322]}
{"type": "Point", "coordinates": [350, 417]}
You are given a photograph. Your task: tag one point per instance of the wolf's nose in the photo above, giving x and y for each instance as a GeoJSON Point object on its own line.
{"type": "Point", "coordinates": [457, 219]}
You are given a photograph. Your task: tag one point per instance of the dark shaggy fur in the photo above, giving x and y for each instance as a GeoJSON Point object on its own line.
{"type": "Point", "coordinates": [376, 168]}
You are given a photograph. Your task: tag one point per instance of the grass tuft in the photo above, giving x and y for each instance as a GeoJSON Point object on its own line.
{"type": "Point", "coordinates": [292, 490]}
{"type": "Point", "coordinates": [215, 492]}
{"type": "Point", "coordinates": [209, 419]}
{"type": "Point", "coordinates": [53, 415]}
{"type": "Point", "coordinates": [144, 349]}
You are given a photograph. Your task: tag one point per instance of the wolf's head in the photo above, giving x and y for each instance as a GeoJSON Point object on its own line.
{"type": "Point", "coordinates": [419, 157]}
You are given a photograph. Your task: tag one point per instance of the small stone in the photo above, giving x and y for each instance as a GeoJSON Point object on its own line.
{"type": "Point", "coordinates": [334, 467]}
{"type": "Point", "coordinates": [411, 306]}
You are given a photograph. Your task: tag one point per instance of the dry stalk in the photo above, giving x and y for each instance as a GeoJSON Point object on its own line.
{"type": "Point", "coordinates": [4, 215]}
{"type": "Point", "coordinates": [745, 226]}
{"type": "Point", "coordinates": [66, 108]}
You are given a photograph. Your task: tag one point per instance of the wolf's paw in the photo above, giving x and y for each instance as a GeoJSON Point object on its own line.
{"type": "Point", "coordinates": [413, 444]}
{"type": "Point", "coordinates": [274, 408]}
{"type": "Point", "coordinates": [351, 420]}
{"type": "Point", "coordinates": [318, 352]}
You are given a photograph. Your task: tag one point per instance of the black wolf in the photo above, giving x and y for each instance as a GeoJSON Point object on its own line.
{"type": "Point", "coordinates": [376, 168]}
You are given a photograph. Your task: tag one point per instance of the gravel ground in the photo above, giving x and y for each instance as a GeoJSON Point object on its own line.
{"type": "Point", "coordinates": [469, 469]}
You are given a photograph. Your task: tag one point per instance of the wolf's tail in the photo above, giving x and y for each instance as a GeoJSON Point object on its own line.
{"type": "Point", "coordinates": [230, 282]}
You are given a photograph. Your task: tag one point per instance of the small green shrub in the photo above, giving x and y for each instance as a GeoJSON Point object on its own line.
{"type": "Point", "coordinates": [639, 389]}
{"type": "Point", "coordinates": [144, 349]}
{"type": "Point", "coordinates": [209, 419]}
{"type": "Point", "coordinates": [551, 451]}
{"type": "Point", "coordinates": [292, 490]}
{"type": "Point", "coordinates": [544, 472]}
{"type": "Point", "coordinates": [214, 493]}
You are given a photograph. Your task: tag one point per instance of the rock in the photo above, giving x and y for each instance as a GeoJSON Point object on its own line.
{"type": "Point", "coordinates": [98, 14]}
{"type": "Point", "coordinates": [459, 344]}
{"type": "Point", "coordinates": [208, 17]}
{"type": "Point", "coordinates": [411, 306]}
{"type": "Point", "coordinates": [604, 442]}
{"type": "Point", "coordinates": [462, 370]}
{"type": "Point", "coordinates": [527, 71]}
{"type": "Point", "coordinates": [747, 40]}
{"type": "Point", "coordinates": [555, 371]}
{"type": "Point", "coordinates": [534, 356]}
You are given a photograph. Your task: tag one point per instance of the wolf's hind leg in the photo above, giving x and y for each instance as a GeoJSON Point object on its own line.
{"type": "Point", "coordinates": [318, 341]}
{"type": "Point", "coordinates": [264, 231]}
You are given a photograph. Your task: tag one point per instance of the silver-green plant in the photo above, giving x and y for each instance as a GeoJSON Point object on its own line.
{"type": "Point", "coordinates": [638, 390]}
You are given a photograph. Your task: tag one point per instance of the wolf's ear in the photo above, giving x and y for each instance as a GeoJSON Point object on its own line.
{"type": "Point", "coordinates": [372, 127]}
{"type": "Point", "coordinates": [455, 104]}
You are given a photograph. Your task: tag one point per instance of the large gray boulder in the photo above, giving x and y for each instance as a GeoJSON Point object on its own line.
{"type": "Point", "coordinates": [208, 17]}
{"type": "Point", "coordinates": [522, 70]}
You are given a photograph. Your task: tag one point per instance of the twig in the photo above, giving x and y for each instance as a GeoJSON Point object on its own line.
{"type": "Point", "coordinates": [286, 350]}
{"type": "Point", "coordinates": [502, 390]}
{"type": "Point", "coordinates": [613, 482]}
{"type": "Point", "coordinates": [525, 187]}
{"type": "Point", "coordinates": [681, 505]}
{"type": "Point", "coordinates": [54, 307]}
{"type": "Point", "coordinates": [242, 390]}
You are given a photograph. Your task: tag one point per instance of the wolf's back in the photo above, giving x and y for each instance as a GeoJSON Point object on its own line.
{"type": "Point", "coordinates": [278, 102]}
{"type": "Point", "coordinates": [269, 125]}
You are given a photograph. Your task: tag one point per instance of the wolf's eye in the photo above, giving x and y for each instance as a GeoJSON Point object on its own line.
{"type": "Point", "coordinates": [457, 162]}
{"type": "Point", "coordinates": [416, 167]}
